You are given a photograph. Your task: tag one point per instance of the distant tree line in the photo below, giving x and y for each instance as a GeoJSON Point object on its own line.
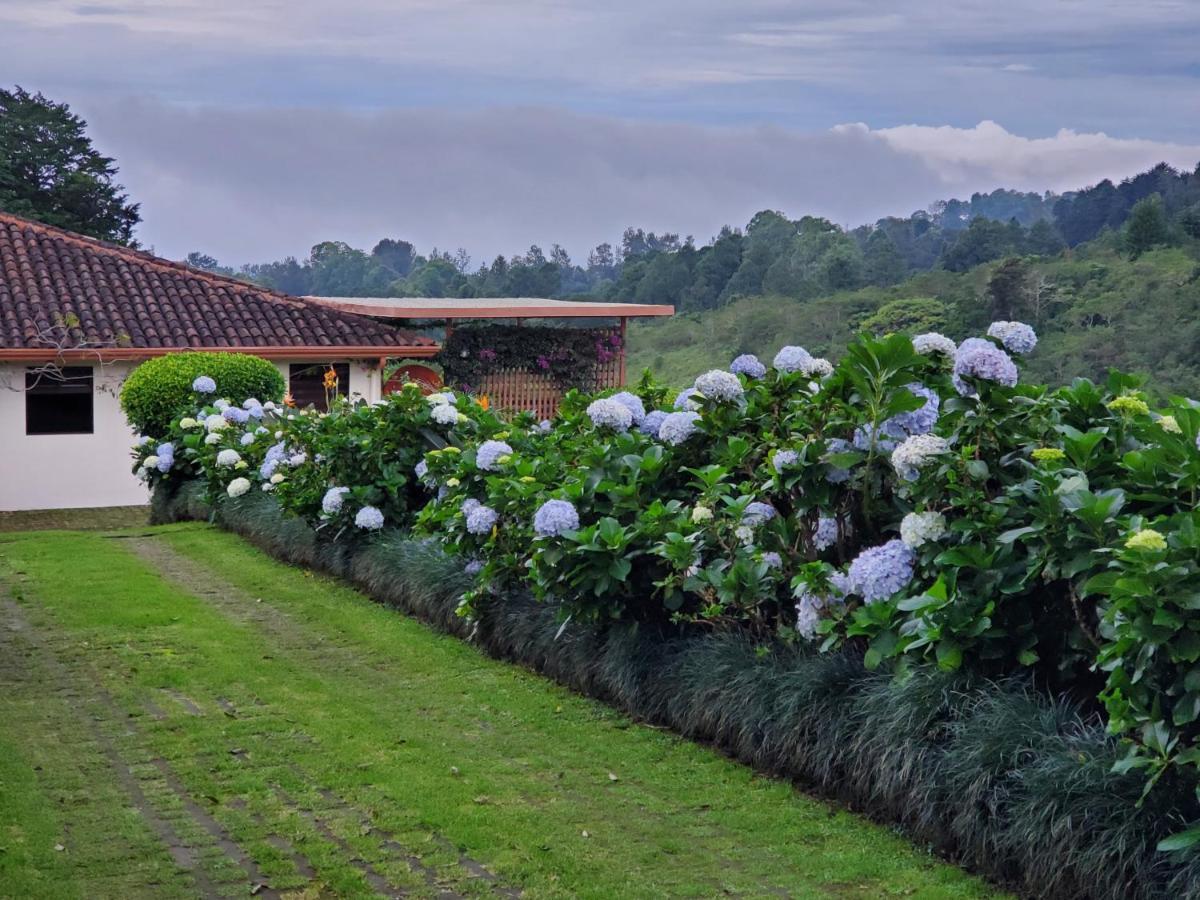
{"type": "Point", "coordinates": [773, 255]}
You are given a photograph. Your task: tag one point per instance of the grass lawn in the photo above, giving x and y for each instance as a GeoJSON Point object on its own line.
{"type": "Point", "coordinates": [182, 716]}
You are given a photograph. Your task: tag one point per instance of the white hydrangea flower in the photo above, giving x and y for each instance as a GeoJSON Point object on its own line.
{"type": "Point", "coordinates": [277, 478]}
{"type": "Point", "coordinates": [701, 514]}
{"type": "Point", "coordinates": [914, 453]}
{"type": "Point", "coordinates": [150, 462]}
{"type": "Point", "coordinates": [215, 423]}
{"type": "Point", "coordinates": [441, 399]}
{"type": "Point", "coordinates": [816, 367]}
{"type": "Point", "coordinates": [932, 342]}
{"type": "Point", "coordinates": [918, 529]}
{"type": "Point", "coordinates": [237, 487]}
{"type": "Point", "coordinates": [212, 439]}
{"type": "Point", "coordinates": [228, 458]}
{"type": "Point", "coordinates": [444, 414]}
{"type": "Point", "coordinates": [187, 423]}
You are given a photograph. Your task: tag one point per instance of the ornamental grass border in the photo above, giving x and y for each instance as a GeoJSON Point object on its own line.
{"type": "Point", "coordinates": [998, 777]}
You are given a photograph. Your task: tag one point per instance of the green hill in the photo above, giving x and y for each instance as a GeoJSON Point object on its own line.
{"type": "Point", "coordinates": [1094, 308]}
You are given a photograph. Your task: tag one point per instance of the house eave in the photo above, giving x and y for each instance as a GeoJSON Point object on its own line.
{"type": "Point", "coordinates": [115, 354]}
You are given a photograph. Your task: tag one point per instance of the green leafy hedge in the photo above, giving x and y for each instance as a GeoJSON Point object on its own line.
{"type": "Point", "coordinates": [160, 390]}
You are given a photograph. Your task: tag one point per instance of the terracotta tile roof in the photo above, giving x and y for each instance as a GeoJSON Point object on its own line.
{"type": "Point", "coordinates": [126, 298]}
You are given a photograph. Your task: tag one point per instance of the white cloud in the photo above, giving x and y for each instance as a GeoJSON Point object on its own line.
{"type": "Point", "coordinates": [1065, 161]}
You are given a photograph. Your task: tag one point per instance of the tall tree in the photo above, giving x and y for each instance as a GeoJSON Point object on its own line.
{"type": "Point", "coordinates": [1146, 227]}
{"type": "Point", "coordinates": [1008, 288]}
{"type": "Point", "coordinates": [49, 170]}
{"type": "Point", "coordinates": [396, 255]}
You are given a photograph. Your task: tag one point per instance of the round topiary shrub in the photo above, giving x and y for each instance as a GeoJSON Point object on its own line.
{"type": "Point", "coordinates": [160, 389]}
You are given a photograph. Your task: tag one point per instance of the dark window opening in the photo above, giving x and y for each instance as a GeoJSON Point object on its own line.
{"type": "Point", "coordinates": [306, 383]}
{"type": "Point", "coordinates": [59, 401]}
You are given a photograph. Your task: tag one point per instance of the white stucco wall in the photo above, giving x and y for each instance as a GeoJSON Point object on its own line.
{"type": "Point", "coordinates": [64, 471]}
{"type": "Point", "coordinates": [61, 471]}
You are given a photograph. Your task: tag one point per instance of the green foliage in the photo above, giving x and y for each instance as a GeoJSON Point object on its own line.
{"type": "Point", "coordinates": [49, 170]}
{"type": "Point", "coordinates": [159, 391]}
{"type": "Point", "coordinates": [1095, 310]}
{"type": "Point", "coordinates": [914, 315]}
{"type": "Point", "coordinates": [371, 451]}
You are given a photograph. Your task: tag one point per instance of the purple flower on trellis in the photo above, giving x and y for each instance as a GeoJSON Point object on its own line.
{"type": "Point", "coordinates": [487, 353]}
{"type": "Point", "coordinates": [543, 363]}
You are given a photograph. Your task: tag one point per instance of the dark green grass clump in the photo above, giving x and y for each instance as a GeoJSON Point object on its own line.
{"type": "Point", "coordinates": [1009, 781]}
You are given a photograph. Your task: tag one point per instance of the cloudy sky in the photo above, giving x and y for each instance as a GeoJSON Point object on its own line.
{"type": "Point", "coordinates": [251, 129]}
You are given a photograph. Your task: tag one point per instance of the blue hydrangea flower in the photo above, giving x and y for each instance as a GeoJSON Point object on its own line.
{"type": "Point", "coordinates": [331, 503]}
{"type": "Point", "coordinates": [276, 452]}
{"type": "Point", "coordinates": [609, 413]}
{"type": "Point", "coordinates": [826, 533]}
{"type": "Point", "coordinates": [369, 519]}
{"type": "Point", "coordinates": [653, 422]}
{"type": "Point", "coordinates": [204, 385]}
{"type": "Point", "coordinates": [469, 504]}
{"type": "Point", "coordinates": [783, 459]}
{"type": "Point", "coordinates": [720, 385]}
{"type": "Point", "coordinates": [250, 403]}
{"type": "Point", "coordinates": [555, 517]}
{"type": "Point", "coordinates": [1017, 337]}
{"type": "Point", "coordinates": [836, 475]}
{"type": "Point", "coordinates": [544, 426]}
{"type": "Point", "coordinates": [918, 421]}
{"type": "Point", "coordinates": [791, 359]}
{"type": "Point", "coordinates": [865, 436]}
{"type": "Point", "coordinates": [489, 453]}
{"type": "Point", "coordinates": [221, 404]}
{"type": "Point", "coordinates": [773, 560]}
{"type": "Point", "coordinates": [235, 415]}
{"type": "Point", "coordinates": [977, 358]}
{"type": "Point", "coordinates": [421, 470]}
{"type": "Point", "coordinates": [246, 439]}
{"type": "Point", "coordinates": [757, 513]}
{"type": "Point", "coordinates": [685, 399]}
{"type": "Point", "coordinates": [166, 457]}
{"type": "Point", "coordinates": [267, 469]}
{"type": "Point", "coordinates": [631, 402]}
{"type": "Point", "coordinates": [678, 427]}
{"type": "Point", "coordinates": [473, 567]}
{"type": "Point", "coordinates": [748, 364]}
{"type": "Point", "coordinates": [481, 519]}
{"type": "Point", "coordinates": [879, 572]}
{"type": "Point", "coordinates": [811, 603]}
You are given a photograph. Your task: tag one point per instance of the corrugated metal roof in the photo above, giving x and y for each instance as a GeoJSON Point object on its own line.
{"type": "Point", "coordinates": [490, 308]}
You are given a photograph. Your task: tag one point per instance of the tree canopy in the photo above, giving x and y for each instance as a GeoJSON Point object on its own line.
{"type": "Point", "coordinates": [49, 170]}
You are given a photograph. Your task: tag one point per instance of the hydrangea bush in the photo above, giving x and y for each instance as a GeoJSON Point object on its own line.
{"type": "Point", "coordinates": [915, 501]}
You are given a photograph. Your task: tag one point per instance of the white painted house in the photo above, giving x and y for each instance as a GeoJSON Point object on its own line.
{"type": "Point", "coordinates": [76, 316]}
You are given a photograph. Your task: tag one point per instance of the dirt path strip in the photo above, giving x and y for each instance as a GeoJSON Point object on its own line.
{"type": "Point", "coordinates": [298, 641]}
{"type": "Point", "coordinates": [19, 639]}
